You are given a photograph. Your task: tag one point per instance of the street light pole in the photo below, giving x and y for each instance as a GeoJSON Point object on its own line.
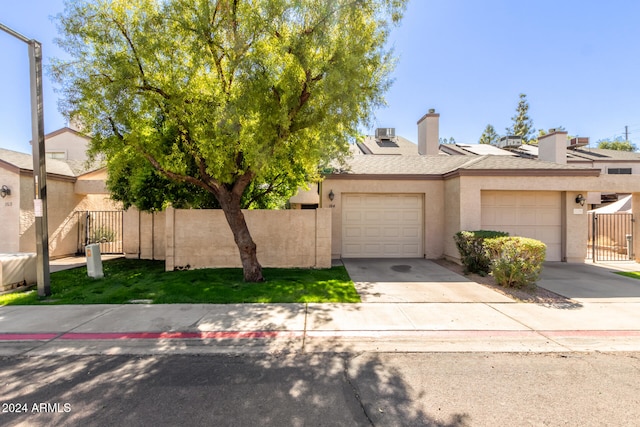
{"type": "Point", "coordinates": [39, 166]}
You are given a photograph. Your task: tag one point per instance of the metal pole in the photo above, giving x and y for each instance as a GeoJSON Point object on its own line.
{"type": "Point", "coordinates": [39, 167]}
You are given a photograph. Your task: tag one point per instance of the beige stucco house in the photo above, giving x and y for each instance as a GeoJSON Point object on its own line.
{"type": "Point", "coordinates": [72, 185]}
{"type": "Point", "coordinates": [412, 205]}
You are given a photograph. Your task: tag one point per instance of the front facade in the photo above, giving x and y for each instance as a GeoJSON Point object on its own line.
{"type": "Point", "coordinates": [412, 205]}
{"type": "Point", "coordinates": [70, 188]}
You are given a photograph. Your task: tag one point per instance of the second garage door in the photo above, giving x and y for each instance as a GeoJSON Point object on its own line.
{"type": "Point", "coordinates": [382, 226]}
{"type": "Point", "coordinates": [534, 214]}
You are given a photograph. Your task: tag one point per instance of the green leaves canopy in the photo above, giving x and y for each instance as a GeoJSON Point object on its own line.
{"type": "Point", "coordinates": [223, 96]}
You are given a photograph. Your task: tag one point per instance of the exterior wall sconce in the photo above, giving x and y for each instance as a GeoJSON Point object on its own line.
{"type": "Point", "coordinates": [5, 191]}
{"type": "Point", "coordinates": [331, 195]}
{"type": "Point", "coordinates": [580, 199]}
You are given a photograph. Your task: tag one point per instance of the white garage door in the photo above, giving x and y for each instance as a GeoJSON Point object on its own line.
{"type": "Point", "coordinates": [535, 214]}
{"type": "Point", "coordinates": [382, 226]}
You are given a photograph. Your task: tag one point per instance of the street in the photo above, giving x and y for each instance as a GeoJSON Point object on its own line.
{"type": "Point", "coordinates": [322, 389]}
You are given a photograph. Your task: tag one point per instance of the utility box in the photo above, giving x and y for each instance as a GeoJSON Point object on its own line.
{"type": "Point", "coordinates": [94, 261]}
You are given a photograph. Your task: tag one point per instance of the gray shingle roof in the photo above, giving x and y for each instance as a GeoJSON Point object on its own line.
{"type": "Point", "coordinates": [440, 165]}
{"type": "Point", "coordinates": [25, 162]}
{"type": "Point", "coordinates": [396, 146]}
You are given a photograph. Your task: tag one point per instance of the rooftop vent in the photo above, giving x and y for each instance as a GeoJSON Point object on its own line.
{"type": "Point", "coordinates": [578, 142]}
{"type": "Point", "coordinates": [510, 141]}
{"type": "Point", "coordinates": [385, 133]}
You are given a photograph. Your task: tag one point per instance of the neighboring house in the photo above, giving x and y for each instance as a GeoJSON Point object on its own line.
{"type": "Point", "coordinates": [72, 186]}
{"type": "Point", "coordinates": [412, 205]}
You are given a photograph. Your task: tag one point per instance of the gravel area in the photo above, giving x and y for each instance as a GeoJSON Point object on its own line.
{"type": "Point", "coordinates": [535, 294]}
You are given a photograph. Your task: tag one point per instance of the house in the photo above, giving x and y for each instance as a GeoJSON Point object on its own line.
{"type": "Point", "coordinates": [72, 186]}
{"type": "Point", "coordinates": [412, 205]}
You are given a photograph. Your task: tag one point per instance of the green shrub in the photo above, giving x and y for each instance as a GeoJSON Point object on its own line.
{"type": "Point", "coordinates": [472, 252]}
{"type": "Point", "coordinates": [515, 261]}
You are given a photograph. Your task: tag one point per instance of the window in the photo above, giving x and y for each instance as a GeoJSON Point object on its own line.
{"type": "Point", "coordinates": [619, 171]}
{"type": "Point", "coordinates": [58, 155]}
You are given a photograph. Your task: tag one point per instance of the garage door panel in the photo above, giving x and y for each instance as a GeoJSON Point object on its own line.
{"type": "Point", "coordinates": [389, 225]}
{"type": "Point", "coordinates": [529, 214]}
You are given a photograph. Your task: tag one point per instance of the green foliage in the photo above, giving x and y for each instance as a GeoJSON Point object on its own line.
{"type": "Point", "coordinates": [102, 235]}
{"type": "Point", "coordinates": [473, 255]}
{"type": "Point", "coordinates": [489, 136]}
{"type": "Point", "coordinates": [188, 97]}
{"type": "Point", "coordinates": [617, 144]}
{"type": "Point", "coordinates": [522, 123]}
{"type": "Point", "coordinates": [515, 261]}
{"type": "Point", "coordinates": [450, 140]}
{"type": "Point", "coordinates": [127, 280]}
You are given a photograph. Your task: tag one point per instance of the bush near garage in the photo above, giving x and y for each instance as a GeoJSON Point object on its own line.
{"type": "Point", "coordinates": [473, 254]}
{"type": "Point", "coordinates": [515, 261]}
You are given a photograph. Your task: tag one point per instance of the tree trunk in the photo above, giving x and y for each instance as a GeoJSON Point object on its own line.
{"type": "Point", "coordinates": [252, 270]}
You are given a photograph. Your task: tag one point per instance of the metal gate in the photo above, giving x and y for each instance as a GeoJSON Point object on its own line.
{"type": "Point", "coordinates": [610, 236]}
{"type": "Point", "coordinates": [103, 227]}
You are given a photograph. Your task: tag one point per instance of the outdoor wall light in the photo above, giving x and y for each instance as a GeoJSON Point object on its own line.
{"type": "Point", "coordinates": [331, 195]}
{"type": "Point", "coordinates": [580, 199]}
{"type": "Point", "coordinates": [5, 191]}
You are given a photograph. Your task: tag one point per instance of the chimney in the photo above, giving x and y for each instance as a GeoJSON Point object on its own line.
{"type": "Point", "coordinates": [428, 134]}
{"type": "Point", "coordinates": [553, 147]}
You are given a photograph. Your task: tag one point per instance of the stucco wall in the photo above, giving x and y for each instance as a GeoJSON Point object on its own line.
{"type": "Point", "coordinates": [62, 202]}
{"type": "Point", "coordinates": [10, 212]}
{"type": "Point", "coordinates": [144, 234]}
{"type": "Point", "coordinates": [202, 238]}
{"type": "Point", "coordinates": [74, 146]}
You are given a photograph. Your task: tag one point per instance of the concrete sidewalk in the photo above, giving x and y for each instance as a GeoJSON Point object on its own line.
{"type": "Point", "coordinates": [456, 315]}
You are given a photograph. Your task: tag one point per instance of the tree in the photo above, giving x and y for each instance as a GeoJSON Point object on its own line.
{"type": "Point", "coordinates": [450, 140]}
{"type": "Point", "coordinates": [489, 136]}
{"type": "Point", "coordinates": [224, 96]}
{"type": "Point", "coordinates": [617, 144]}
{"type": "Point", "coordinates": [522, 124]}
{"type": "Point", "coordinates": [542, 132]}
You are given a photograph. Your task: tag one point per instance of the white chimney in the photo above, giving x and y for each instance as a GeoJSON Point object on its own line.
{"type": "Point", "coordinates": [553, 147]}
{"type": "Point", "coordinates": [428, 134]}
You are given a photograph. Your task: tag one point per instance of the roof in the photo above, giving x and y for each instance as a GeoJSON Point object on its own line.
{"type": "Point", "coordinates": [25, 162]}
{"type": "Point", "coordinates": [395, 146]}
{"type": "Point", "coordinates": [482, 149]}
{"type": "Point", "coordinates": [443, 165]}
{"type": "Point", "coordinates": [68, 168]}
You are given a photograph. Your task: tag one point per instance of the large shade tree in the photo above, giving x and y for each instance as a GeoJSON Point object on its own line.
{"type": "Point", "coordinates": [225, 96]}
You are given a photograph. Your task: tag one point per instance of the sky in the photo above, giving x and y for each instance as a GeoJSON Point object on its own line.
{"type": "Point", "coordinates": [578, 62]}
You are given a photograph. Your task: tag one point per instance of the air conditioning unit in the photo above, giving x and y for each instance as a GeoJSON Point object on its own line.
{"type": "Point", "coordinates": [385, 133]}
{"type": "Point", "coordinates": [510, 141]}
{"type": "Point", "coordinates": [578, 142]}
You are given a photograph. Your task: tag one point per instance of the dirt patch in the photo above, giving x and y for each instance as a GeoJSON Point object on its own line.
{"type": "Point", "coordinates": [536, 295]}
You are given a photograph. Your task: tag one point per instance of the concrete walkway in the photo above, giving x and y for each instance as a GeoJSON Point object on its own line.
{"type": "Point", "coordinates": [408, 305]}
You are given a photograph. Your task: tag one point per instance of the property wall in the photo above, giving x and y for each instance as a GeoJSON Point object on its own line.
{"type": "Point", "coordinates": [284, 238]}
{"type": "Point", "coordinates": [10, 212]}
{"type": "Point", "coordinates": [201, 238]}
{"type": "Point", "coordinates": [452, 217]}
{"type": "Point", "coordinates": [144, 234]}
{"type": "Point", "coordinates": [434, 215]}
{"type": "Point", "coordinates": [603, 166]}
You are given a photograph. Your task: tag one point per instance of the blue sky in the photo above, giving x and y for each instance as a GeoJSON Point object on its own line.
{"type": "Point", "coordinates": [577, 61]}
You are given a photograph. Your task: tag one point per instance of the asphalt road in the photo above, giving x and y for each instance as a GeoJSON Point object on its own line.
{"type": "Point", "coordinates": [381, 389]}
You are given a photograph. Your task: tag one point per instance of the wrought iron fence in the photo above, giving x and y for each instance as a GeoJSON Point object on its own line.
{"type": "Point", "coordinates": [102, 227]}
{"type": "Point", "coordinates": [610, 236]}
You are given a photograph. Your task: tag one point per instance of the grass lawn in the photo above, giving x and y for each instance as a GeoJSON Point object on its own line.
{"type": "Point", "coordinates": [634, 274]}
{"type": "Point", "coordinates": [127, 280]}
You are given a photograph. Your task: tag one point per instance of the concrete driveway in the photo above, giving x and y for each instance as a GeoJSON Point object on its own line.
{"type": "Point", "coordinates": [414, 280]}
{"type": "Point", "coordinates": [591, 282]}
